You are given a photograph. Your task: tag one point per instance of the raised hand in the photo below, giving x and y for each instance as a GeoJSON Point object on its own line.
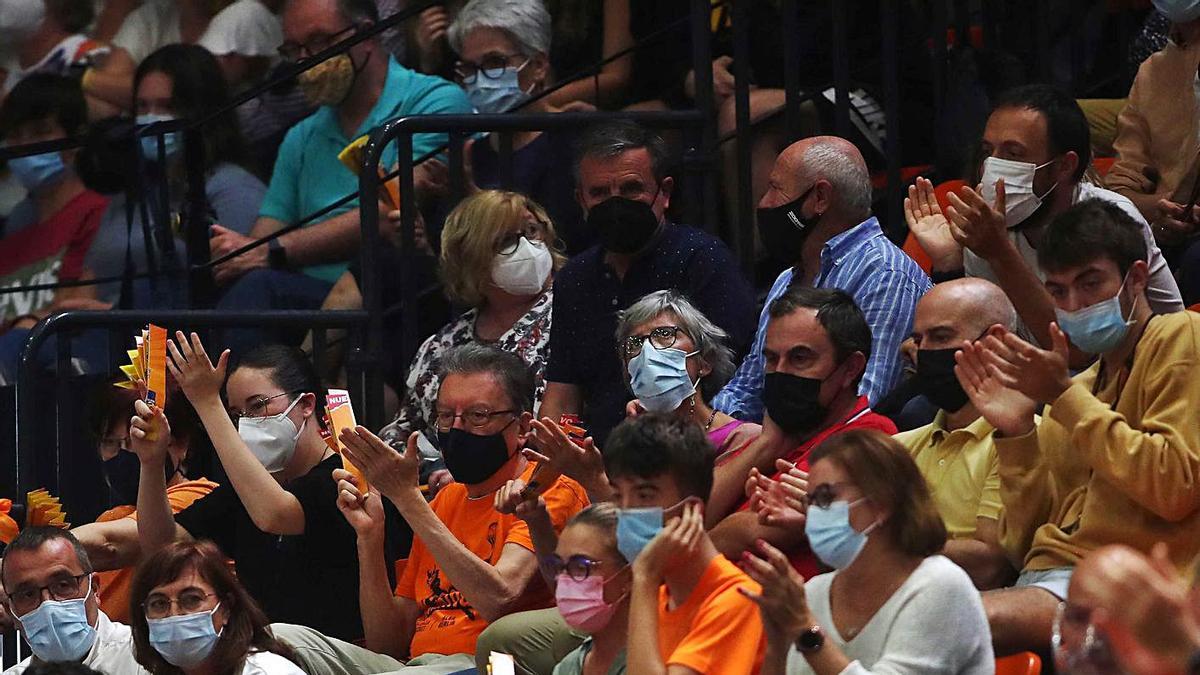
{"type": "Point", "coordinates": [782, 601]}
{"type": "Point", "coordinates": [189, 364]}
{"type": "Point", "coordinates": [364, 513]}
{"type": "Point", "coordinates": [149, 433]}
{"type": "Point", "coordinates": [1007, 409]}
{"type": "Point", "coordinates": [581, 462]}
{"type": "Point", "coordinates": [672, 546]}
{"type": "Point", "coordinates": [1040, 374]}
{"type": "Point", "coordinates": [514, 499]}
{"type": "Point", "coordinates": [432, 25]}
{"type": "Point", "coordinates": [394, 474]}
{"type": "Point", "coordinates": [978, 225]}
{"type": "Point", "coordinates": [930, 227]}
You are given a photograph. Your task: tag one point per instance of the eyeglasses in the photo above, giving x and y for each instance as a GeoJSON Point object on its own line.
{"type": "Point", "coordinates": [533, 231]}
{"type": "Point", "coordinates": [1076, 644]}
{"type": "Point", "coordinates": [477, 418]}
{"type": "Point", "coordinates": [158, 606]}
{"type": "Point", "coordinates": [25, 599]}
{"type": "Point", "coordinates": [578, 567]}
{"type": "Point", "coordinates": [292, 51]}
{"type": "Point", "coordinates": [662, 337]}
{"type": "Point", "coordinates": [825, 494]}
{"type": "Point", "coordinates": [257, 407]}
{"type": "Point", "coordinates": [492, 67]}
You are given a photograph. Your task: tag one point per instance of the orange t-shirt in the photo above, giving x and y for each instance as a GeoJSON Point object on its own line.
{"type": "Point", "coordinates": [717, 630]}
{"type": "Point", "coordinates": [446, 622]}
{"type": "Point", "coordinates": [115, 584]}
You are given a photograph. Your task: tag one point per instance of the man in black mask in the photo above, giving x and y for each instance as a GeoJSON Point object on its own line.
{"type": "Point", "coordinates": [624, 188]}
{"type": "Point", "coordinates": [956, 453]}
{"type": "Point", "coordinates": [817, 346]}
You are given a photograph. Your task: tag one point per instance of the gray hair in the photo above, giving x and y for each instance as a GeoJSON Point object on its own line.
{"type": "Point", "coordinates": [357, 11]}
{"type": "Point", "coordinates": [845, 172]}
{"type": "Point", "coordinates": [609, 139]}
{"type": "Point", "coordinates": [507, 368]}
{"type": "Point", "coordinates": [603, 517]}
{"type": "Point", "coordinates": [526, 21]}
{"type": "Point", "coordinates": [711, 341]}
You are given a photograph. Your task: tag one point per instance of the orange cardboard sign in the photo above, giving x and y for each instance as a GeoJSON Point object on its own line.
{"type": "Point", "coordinates": [340, 417]}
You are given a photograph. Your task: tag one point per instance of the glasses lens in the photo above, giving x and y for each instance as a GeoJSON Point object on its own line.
{"type": "Point", "coordinates": [191, 602]}
{"type": "Point", "coordinates": [509, 244]}
{"type": "Point", "coordinates": [157, 606]}
{"type": "Point", "coordinates": [478, 418]}
{"type": "Point", "coordinates": [633, 346]}
{"type": "Point", "coordinates": [65, 588]}
{"type": "Point", "coordinates": [493, 67]}
{"type": "Point", "coordinates": [663, 337]}
{"type": "Point", "coordinates": [579, 567]}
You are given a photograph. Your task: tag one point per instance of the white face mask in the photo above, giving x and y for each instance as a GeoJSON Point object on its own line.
{"type": "Point", "coordinates": [272, 439]}
{"type": "Point", "coordinates": [525, 270]}
{"type": "Point", "coordinates": [1020, 201]}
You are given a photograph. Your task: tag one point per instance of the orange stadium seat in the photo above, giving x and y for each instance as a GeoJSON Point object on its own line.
{"type": "Point", "coordinates": [1025, 663]}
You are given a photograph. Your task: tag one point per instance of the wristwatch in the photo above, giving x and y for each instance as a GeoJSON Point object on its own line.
{"type": "Point", "coordinates": [811, 640]}
{"type": "Point", "coordinates": [277, 255]}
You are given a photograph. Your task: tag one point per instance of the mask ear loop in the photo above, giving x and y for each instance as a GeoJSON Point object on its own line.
{"type": "Point", "coordinates": [873, 526]}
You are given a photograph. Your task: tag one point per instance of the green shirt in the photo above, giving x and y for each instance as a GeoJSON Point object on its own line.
{"type": "Point", "coordinates": [572, 664]}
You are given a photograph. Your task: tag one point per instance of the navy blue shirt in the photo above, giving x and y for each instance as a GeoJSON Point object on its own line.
{"type": "Point", "coordinates": [588, 294]}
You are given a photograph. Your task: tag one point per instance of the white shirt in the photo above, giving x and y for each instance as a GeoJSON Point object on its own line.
{"type": "Point", "coordinates": [934, 623]}
{"type": "Point", "coordinates": [269, 663]}
{"type": "Point", "coordinates": [1161, 291]}
{"type": "Point", "coordinates": [246, 27]}
{"type": "Point", "coordinates": [155, 24]}
{"type": "Point", "coordinates": [111, 653]}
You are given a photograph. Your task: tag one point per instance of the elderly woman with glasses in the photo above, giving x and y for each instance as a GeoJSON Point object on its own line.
{"type": "Point", "coordinates": [499, 255]}
{"type": "Point", "coordinates": [891, 603]}
{"type": "Point", "coordinates": [677, 360]}
{"type": "Point", "coordinates": [190, 615]}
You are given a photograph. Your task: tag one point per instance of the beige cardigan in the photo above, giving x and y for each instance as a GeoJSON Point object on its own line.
{"type": "Point", "coordinates": [1158, 128]}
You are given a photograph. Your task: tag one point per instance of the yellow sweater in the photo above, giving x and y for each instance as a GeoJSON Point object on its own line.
{"type": "Point", "coordinates": [1095, 473]}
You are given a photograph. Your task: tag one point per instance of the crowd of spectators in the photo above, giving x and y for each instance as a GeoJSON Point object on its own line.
{"type": "Point", "coordinates": [615, 450]}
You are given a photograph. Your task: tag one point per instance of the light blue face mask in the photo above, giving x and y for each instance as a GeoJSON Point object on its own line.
{"type": "Point", "coordinates": [659, 377]}
{"type": "Point", "coordinates": [635, 529]}
{"type": "Point", "coordinates": [1179, 11]}
{"type": "Point", "coordinates": [58, 630]}
{"type": "Point", "coordinates": [184, 640]}
{"type": "Point", "coordinates": [830, 535]}
{"type": "Point", "coordinates": [499, 95]}
{"type": "Point", "coordinates": [150, 143]}
{"type": "Point", "coordinates": [37, 171]}
{"type": "Point", "coordinates": [1097, 328]}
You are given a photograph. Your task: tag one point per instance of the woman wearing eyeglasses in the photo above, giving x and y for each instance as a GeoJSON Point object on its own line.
{"type": "Point", "coordinates": [677, 360]}
{"type": "Point", "coordinates": [190, 615]}
{"type": "Point", "coordinates": [499, 255]}
{"type": "Point", "coordinates": [276, 517]}
{"type": "Point", "coordinates": [892, 604]}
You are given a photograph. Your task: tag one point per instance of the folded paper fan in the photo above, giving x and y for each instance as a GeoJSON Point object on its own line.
{"type": "Point", "coordinates": [42, 508]}
{"type": "Point", "coordinates": [352, 158]}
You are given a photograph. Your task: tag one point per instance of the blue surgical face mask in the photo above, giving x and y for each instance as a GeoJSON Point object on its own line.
{"type": "Point", "coordinates": [659, 377]}
{"type": "Point", "coordinates": [184, 640]}
{"type": "Point", "coordinates": [1179, 11]}
{"type": "Point", "coordinates": [150, 143]}
{"type": "Point", "coordinates": [499, 95]}
{"type": "Point", "coordinates": [58, 630]}
{"type": "Point", "coordinates": [37, 171]}
{"type": "Point", "coordinates": [831, 536]}
{"type": "Point", "coordinates": [1097, 328]}
{"type": "Point", "coordinates": [635, 529]}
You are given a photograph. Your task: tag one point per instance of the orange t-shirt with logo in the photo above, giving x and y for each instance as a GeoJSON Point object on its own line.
{"type": "Point", "coordinates": [446, 621]}
{"type": "Point", "coordinates": [716, 630]}
{"type": "Point", "coordinates": [115, 584]}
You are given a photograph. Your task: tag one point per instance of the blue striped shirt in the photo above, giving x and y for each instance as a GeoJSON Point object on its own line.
{"type": "Point", "coordinates": [886, 285]}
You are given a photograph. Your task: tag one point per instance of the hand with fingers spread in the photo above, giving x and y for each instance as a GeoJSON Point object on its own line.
{"type": "Point", "coordinates": [514, 499]}
{"type": "Point", "coordinates": [582, 462]}
{"type": "Point", "coordinates": [189, 364]}
{"type": "Point", "coordinates": [149, 434]}
{"type": "Point", "coordinates": [364, 513]}
{"type": "Point", "coordinates": [432, 25]}
{"type": "Point", "coordinates": [1010, 411]}
{"type": "Point", "coordinates": [930, 226]}
{"type": "Point", "coordinates": [782, 602]}
{"type": "Point", "coordinates": [678, 541]}
{"type": "Point", "coordinates": [394, 474]}
{"type": "Point", "coordinates": [977, 225]}
{"type": "Point", "coordinates": [1040, 374]}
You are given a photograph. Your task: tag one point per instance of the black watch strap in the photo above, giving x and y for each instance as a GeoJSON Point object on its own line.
{"type": "Point", "coordinates": [811, 640]}
{"type": "Point", "coordinates": [277, 255]}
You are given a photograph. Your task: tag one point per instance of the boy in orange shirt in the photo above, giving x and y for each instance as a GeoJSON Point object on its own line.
{"type": "Point", "coordinates": [469, 564]}
{"type": "Point", "coordinates": [685, 614]}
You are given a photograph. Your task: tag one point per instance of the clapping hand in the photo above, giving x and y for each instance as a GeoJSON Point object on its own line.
{"type": "Point", "coordinates": [1040, 374]}
{"type": "Point", "coordinates": [515, 499]}
{"type": "Point", "coordinates": [930, 227]}
{"type": "Point", "coordinates": [785, 501]}
{"type": "Point", "coordinates": [1005, 408]}
{"type": "Point", "coordinates": [393, 473]}
{"type": "Point", "coordinates": [363, 512]}
{"type": "Point", "coordinates": [782, 601]}
{"type": "Point", "coordinates": [582, 461]}
{"type": "Point", "coordinates": [978, 225]}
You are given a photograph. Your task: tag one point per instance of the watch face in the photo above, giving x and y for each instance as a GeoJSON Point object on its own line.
{"type": "Point", "coordinates": [811, 640]}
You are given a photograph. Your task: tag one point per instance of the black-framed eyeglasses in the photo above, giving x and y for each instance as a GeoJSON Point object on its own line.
{"type": "Point", "coordinates": [533, 231]}
{"type": "Point", "coordinates": [825, 494]}
{"type": "Point", "coordinates": [492, 67]}
{"type": "Point", "coordinates": [25, 599]}
{"type": "Point", "coordinates": [662, 337]}
{"type": "Point", "coordinates": [578, 567]}
{"type": "Point", "coordinates": [257, 407]}
{"type": "Point", "coordinates": [190, 601]}
{"type": "Point", "coordinates": [292, 51]}
{"type": "Point", "coordinates": [477, 418]}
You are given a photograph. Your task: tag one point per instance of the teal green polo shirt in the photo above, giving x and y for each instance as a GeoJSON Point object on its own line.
{"type": "Point", "coordinates": [308, 175]}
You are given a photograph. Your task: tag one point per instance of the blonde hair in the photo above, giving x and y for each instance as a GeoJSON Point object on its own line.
{"type": "Point", "coordinates": [471, 233]}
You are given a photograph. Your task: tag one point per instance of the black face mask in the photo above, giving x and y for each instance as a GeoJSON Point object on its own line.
{"type": "Point", "coordinates": [623, 225]}
{"type": "Point", "coordinates": [937, 381]}
{"type": "Point", "coordinates": [793, 402]}
{"type": "Point", "coordinates": [472, 458]}
{"type": "Point", "coordinates": [122, 473]}
{"type": "Point", "coordinates": [783, 230]}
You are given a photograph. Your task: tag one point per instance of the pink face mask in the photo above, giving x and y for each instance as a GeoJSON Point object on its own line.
{"type": "Point", "coordinates": [582, 604]}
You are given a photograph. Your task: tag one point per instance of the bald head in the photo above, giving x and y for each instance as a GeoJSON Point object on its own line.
{"type": "Point", "coordinates": [959, 310]}
{"type": "Point", "coordinates": [834, 166]}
